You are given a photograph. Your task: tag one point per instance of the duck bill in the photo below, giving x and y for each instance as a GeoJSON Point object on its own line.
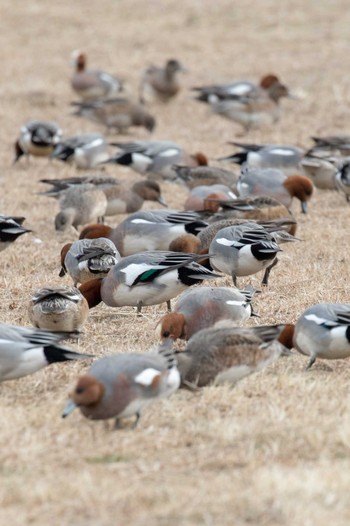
{"type": "Point", "coordinates": [68, 408]}
{"type": "Point", "coordinates": [304, 207]}
{"type": "Point", "coordinates": [162, 202]}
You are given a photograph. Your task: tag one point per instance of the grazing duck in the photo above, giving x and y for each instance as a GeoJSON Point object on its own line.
{"type": "Point", "coordinates": [273, 183]}
{"type": "Point", "coordinates": [92, 84]}
{"type": "Point", "coordinates": [205, 197]}
{"type": "Point", "coordinates": [201, 307]}
{"type": "Point", "coordinates": [204, 176]}
{"type": "Point", "coordinates": [122, 385]}
{"type": "Point", "coordinates": [147, 230]}
{"type": "Point", "coordinates": [10, 229]}
{"type": "Point", "coordinates": [148, 278]}
{"type": "Point", "coordinates": [226, 354]}
{"type": "Point", "coordinates": [161, 83]}
{"type": "Point", "coordinates": [126, 199]}
{"type": "Point", "coordinates": [86, 150]}
{"type": "Point", "coordinates": [24, 350]}
{"type": "Point", "coordinates": [245, 103]}
{"type": "Point", "coordinates": [243, 250]}
{"type": "Point", "coordinates": [80, 206]}
{"type": "Point", "coordinates": [58, 309]}
{"type": "Point", "coordinates": [118, 113]}
{"type": "Point", "coordinates": [279, 156]}
{"type": "Point", "coordinates": [86, 259]}
{"type": "Point", "coordinates": [37, 138]}
{"type": "Point", "coordinates": [155, 158]}
{"type": "Point", "coordinates": [322, 331]}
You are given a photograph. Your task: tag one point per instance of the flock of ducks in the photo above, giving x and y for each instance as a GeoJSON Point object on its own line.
{"type": "Point", "coordinates": [231, 224]}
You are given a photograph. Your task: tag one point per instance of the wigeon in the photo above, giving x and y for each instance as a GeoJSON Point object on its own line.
{"type": "Point", "coordinates": [161, 83]}
{"type": "Point", "coordinates": [201, 307]}
{"type": "Point", "coordinates": [118, 113]}
{"type": "Point", "coordinates": [278, 228]}
{"type": "Point", "coordinates": [91, 84]}
{"type": "Point", "coordinates": [243, 102]}
{"type": "Point", "coordinates": [204, 176]}
{"type": "Point", "coordinates": [244, 250]}
{"type": "Point", "coordinates": [148, 278]}
{"type": "Point", "coordinates": [24, 350]}
{"type": "Point", "coordinates": [273, 183]}
{"type": "Point", "coordinates": [322, 331]}
{"type": "Point", "coordinates": [58, 309]}
{"type": "Point", "coordinates": [279, 156]}
{"type": "Point", "coordinates": [37, 138]}
{"type": "Point", "coordinates": [80, 206]}
{"type": "Point", "coordinates": [321, 167]}
{"type": "Point", "coordinates": [147, 230]}
{"type": "Point", "coordinates": [226, 354]}
{"type": "Point", "coordinates": [261, 208]}
{"type": "Point", "coordinates": [86, 150]}
{"type": "Point", "coordinates": [123, 385]}
{"type": "Point", "coordinates": [59, 186]}
{"type": "Point", "coordinates": [10, 229]}
{"type": "Point", "coordinates": [86, 259]}
{"type": "Point", "coordinates": [155, 158]}
{"type": "Point", "coordinates": [126, 198]}
{"type": "Point", "coordinates": [333, 143]}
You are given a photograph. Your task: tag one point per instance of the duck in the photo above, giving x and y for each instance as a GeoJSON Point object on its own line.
{"type": "Point", "coordinates": [126, 199]}
{"type": "Point", "coordinates": [85, 259]}
{"type": "Point", "coordinates": [273, 183]}
{"type": "Point", "coordinates": [224, 354]}
{"type": "Point", "coordinates": [37, 138]}
{"type": "Point", "coordinates": [279, 156]}
{"type": "Point", "coordinates": [61, 309]}
{"type": "Point", "coordinates": [201, 307]}
{"type": "Point", "coordinates": [202, 175]}
{"type": "Point", "coordinates": [118, 113]}
{"type": "Point", "coordinates": [243, 250]}
{"type": "Point", "coordinates": [147, 230]}
{"type": "Point", "coordinates": [321, 167]}
{"type": "Point", "coordinates": [205, 197]}
{"type": "Point", "coordinates": [147, 278]}
{"type": "Point", "coordinates": [257, 208]}
{"type": "Point", "coordinates": [10, 229]}
{"type": "Point", "coordinates": [249, 105]}
{"type": "Point", "coordinates": [161, 83]}
{"type": "Point", "coordinates": [321, 331]}
{"type": "Point", "coordinates": [123, 385]}
{"type": "Point", "coordinates": [80, 206]}
{"type": "Point", "coordinates": [92, 84]}
{"type": "Point", "coordinates": [86, 150]}
{"type": "Point", "coordinates": [339, 144]}
{"type": "Point", "coordinates": [279, 228]}
{"type": "Point", "coordinates": [25, 350]}
{"type": "Point", "coordinates": [342, 179]}
{"type": "Point", "coordinates": [59, 186]}
{"type": "Point", "coordinates": [155, 158]}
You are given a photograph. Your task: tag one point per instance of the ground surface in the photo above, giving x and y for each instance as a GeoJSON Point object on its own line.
{"type": "Point", "coordinates": [276, 449]}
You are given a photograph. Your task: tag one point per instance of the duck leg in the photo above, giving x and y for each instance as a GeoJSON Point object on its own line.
{"type": "Point", "coordinates": [267, 272]}
{"type": "Point", "coordinates": [168, 305]}
{"type": "Point", "coordinates": [311, 362]}
{"type": "Point", "coordinates": [139, 307]}
{"type": "Point", "coordinates": [234, 279]}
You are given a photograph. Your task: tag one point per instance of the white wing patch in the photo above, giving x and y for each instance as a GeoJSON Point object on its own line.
{"type": "Point", "coordinates": [140, 221]}
{"type": "Point", "coordinates": [316, 319]}
{"type": "Point", "coordinates": [233, 302]}
{"type": "Point", "coordinates": [147, 376]}
{"type": "Point", "coordinates": [282, 151]}
{"type": "Point", "coordinates": [224, 241]}
{"type": "Point", "coordinates": [171, 152]}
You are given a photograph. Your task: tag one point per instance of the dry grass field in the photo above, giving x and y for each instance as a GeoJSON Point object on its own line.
{"type": "Point", "coordinates": [273, 451]}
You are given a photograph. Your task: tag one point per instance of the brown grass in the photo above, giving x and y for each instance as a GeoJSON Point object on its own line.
{"type": "Point", "coordinates": [273, 451]}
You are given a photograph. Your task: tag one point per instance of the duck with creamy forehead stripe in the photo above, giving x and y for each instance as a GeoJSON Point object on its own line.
{"type": "Point", "coordinates": [201, 307]}
{"type": "Point", "coordinates": [148, 278]}
{"type": "Point", "coordinates": [123, 385]}
{"type": "Point", "coordinates": [58, 309]}
{"type": "Point", "coordinates": [273, 183]}
{"type": "Point", "coordinates": [322, 331]}
{"type": "Point", "coordinates": [92, 84]}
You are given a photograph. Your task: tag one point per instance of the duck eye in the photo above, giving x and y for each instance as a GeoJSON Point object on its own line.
{"type": "Point", "coordinates": [166, 334]}
{"type": "Point", "coordinates": [79, 390]}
